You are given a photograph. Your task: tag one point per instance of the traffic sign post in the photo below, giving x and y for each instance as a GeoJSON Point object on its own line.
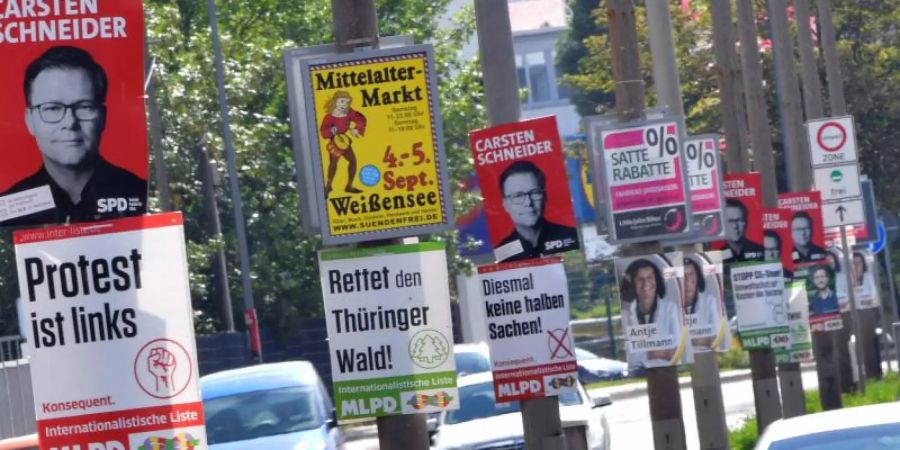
{"type": "Point", "coordinates": [832, 146]}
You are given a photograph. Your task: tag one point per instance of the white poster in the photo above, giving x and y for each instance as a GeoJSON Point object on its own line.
{"type": "Point", "coordinates": [526, 307]}
{"type": "Point", "coordinates": [114, 359]}
{"type": "Point", "coordinates": [387, 311]}
{"type": "Point", "coordinates": [762, 313]}
{"type": "Point", "coordinates": [651, 296]}
{"type": "Point", "coordinates": [704, 306]}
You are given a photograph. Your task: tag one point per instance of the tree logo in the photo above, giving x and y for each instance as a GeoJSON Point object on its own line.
{"type": "Point", "coordinates": [429, 349]}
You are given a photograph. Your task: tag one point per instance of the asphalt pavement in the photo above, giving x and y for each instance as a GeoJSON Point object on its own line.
{"type": "Point", "coordinates": [629, 415]}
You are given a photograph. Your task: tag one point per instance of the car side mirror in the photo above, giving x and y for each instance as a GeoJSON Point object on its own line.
{"type": "Point", "coordinates": [600, 401]}
{"type": "Point", "coordinates": [332, 421]}
{"type": "Point", "coordinates": [432, 424]}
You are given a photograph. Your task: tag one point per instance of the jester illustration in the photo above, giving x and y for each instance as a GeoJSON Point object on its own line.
{"type": "Point", "coordinates": [340, 126]}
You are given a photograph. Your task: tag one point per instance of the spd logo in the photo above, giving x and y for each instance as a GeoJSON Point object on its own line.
{"type": "Point", "coordinates": [112, 204]}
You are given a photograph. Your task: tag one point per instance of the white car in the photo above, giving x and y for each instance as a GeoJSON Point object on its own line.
{"type": "Point", "coordinates": [482, 424]}
{"type": "Point", "coordinates": [872, 427]}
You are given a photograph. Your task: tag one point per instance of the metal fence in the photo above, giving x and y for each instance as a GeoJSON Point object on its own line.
{"type": "Point", "coordinates": [16, 400]}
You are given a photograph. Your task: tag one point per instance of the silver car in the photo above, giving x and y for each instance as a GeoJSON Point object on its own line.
{"type": "Point", "coordinates": [483, 424]}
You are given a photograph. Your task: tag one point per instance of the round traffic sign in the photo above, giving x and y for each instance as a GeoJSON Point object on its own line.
{"type": "Point", "coordinates": [831, 136]}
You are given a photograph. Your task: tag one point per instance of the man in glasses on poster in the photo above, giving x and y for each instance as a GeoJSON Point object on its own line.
{"type": "Point", "coordinates": [65, 92]}
{"type": "Point", "coordinates": [522, 185]}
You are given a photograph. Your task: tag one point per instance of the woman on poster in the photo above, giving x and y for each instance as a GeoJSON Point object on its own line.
{"type": "Point", "coordinates": [340, 126]}
{"type": "Point", "coordinates": [644, 302]}
{"type": "Point", "coordinates": [701, 305]}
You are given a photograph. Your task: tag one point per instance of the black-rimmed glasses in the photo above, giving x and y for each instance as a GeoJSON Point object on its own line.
{"type": "Point", "coordinates": [54, 112]}
{"type": "Point", "coordinates": [518, 198]}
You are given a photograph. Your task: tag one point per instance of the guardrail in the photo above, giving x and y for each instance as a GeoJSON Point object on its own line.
{"type": "Point", "coordinates": [16, 400]}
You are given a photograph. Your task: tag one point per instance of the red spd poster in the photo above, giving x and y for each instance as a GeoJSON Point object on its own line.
{"type": "Point", "coordinates": [743, 218]}
{"type": "Point", "coordinates": [72, 124]}
{"type": "Point", "coordinates": [777, 242]}
{"type": "Point", "coordinates": [526, 192]}
{"type": "Point", "coordinates": [807, 229]}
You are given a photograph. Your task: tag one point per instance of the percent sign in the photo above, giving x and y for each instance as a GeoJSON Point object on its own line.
{"type": "Point", "coordinates": [656, 137]}
{"type": "Point", "coordinates": [705, 160]}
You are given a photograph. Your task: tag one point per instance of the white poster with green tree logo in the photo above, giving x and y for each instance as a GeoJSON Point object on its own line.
{"type": "Point", "coordinates": [387, 311]}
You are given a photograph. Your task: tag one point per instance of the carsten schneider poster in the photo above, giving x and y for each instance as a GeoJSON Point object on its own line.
{"type": "Point", "coordinates": [377, 154]}
{"type": "Point", "coordinates": [72, 124]}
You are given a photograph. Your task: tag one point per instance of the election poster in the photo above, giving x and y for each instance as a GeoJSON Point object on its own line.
{"type": "Point", "coordinates": [759, 301]}
{"type": "Point", "coordinates": [835, 259]}
{"type": "Point", "coordinates": [73, 125]}
{"type": "Point", "coordinates": [800, 349]}
{"type": "Point", "coordinates": [645, 181]}
{"type": "Point", "coordinates": [111, 330]}
{"type": "Point", "coordinates": [523, 181]}
{"type": "Point", "coordinates": [390, 338]}
{"type": "Point", "coordinates": [807, 231]}
{"type": "Point", "coordinates": [704, 305]}
{"type": "Point", "coordinates": [652, 305]}
{"type": "Point", "coordinates": [378, 155]}
{"type": "Point", "coordinates": [704, 173]}
{"type": "Point", "coordinates": [821, 290]}
{"type": "Point", "coordinates": [864, 279]}
{"type": "Point", "coordinates": [743, 218]}
{"type": "Point", "coordinates": [777, 240]}
{"type": "Point", "coordinates": [526, 305]}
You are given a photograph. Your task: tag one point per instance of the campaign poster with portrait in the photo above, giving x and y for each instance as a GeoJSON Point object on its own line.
{"type": "Point", "coordinates": [743, 218]}
{"type": "Point", "coordinates": [835, 258]}
{"type": "Point", "coordinates": [777, 243]}
{"type": "Point", "coordinates": [522, 174]}
{"type": "Point", "coordinates": [704, 305]}
{"type": "Point", "coordinates": [111, 331]}
{"type": "Point", "coordinates": [820, 280]}
{"type": "Point", "coordinates": [807, 231]}
{"type": "Point", "coordinates": [377, 152]}
{"type": "Point", "coordinates": [73, 124]}
{"type": "Point", "coordinates": [652, 305]}
{"type": "Point", "coordinates": [863, 279]}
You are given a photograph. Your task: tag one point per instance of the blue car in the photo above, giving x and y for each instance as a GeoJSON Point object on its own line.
{"type": "Point", "coordinates": [281, 406]}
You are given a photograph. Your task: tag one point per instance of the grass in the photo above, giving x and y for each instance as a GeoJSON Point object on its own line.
{"type": "Point", "coordinates": [886, 390]}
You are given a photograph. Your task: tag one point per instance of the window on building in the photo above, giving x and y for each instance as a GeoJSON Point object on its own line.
{"type": "Point", "coordinates": [538, 76]}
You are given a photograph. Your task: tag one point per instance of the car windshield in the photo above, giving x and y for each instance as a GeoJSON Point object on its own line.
{"type": "Point", "coordinates": [582, 354]}
{"type": "Point", "coordinates": [258, 414]}
{"type": "Point", "coordinates": [876, 437]}
{"type": "Point", "coordinates": [471, 362]}
{"type": "Point", "coordinates": [476, 401]}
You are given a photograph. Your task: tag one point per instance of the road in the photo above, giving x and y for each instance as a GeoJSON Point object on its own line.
{"type": "Point", "coordinates": [629, 419]}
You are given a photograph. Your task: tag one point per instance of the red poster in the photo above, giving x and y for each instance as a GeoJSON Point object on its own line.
{"type": "Point", "coordinates": [72, 121]}
{"type": "Point", "coordinates": [526, 192]}
{"type": "Point", "coordinates": [743, 218]}
{"type": "Point", "coordinates": [777, 242]}
{"type": "Point", "coordinates": [806, 225]}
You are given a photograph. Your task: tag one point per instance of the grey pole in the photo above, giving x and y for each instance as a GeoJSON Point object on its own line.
{"type": "Point", "coordinates": [854, 311]}
{"type": "Point", "coordinates": [730, 90]}
{"type": "Point", "coordinates": [707, 388]}
{"type": "Point", "coordinates": [662, 382]}
{"type": "Point", "coordinates": [243, 252]}
{"type": "Point", "coordinates": [891, 286]}
{"type": "Point", "coordinates": [155, 128]}
{"type": "Point", "coordinates": [832, 61]}
{"type": "Point", "coordinates": [540, 417]}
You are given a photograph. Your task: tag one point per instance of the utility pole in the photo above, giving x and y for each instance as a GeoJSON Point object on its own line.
{"type": "Point", "coordinates": [228, 140]}
{"type": "Point", "coordinates": [662, 382]}
{"type": "Point", "coordinates": [355, 25]}
{"type": "Point", "coordinates": [209, 182]}
{"type": "Point", "coordinates": [762, 362]}
{"type": "Point", "coordinates": [826, 355]}
{"type": "Point", "coordinates": [540, 416]}
{"type": "Point", "coordinates": [860, 320]}
{"type": "Point", "coordinates": [155, 127]}
{"type": "Point", "coordinates": [796, 153]}
{"type": "Point", "coordinates": [705, 382]}
{"type": "Point", "coordinates": [730, 90]}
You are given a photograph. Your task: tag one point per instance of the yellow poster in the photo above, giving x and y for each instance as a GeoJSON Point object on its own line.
{"type": "Point", "coordinates": [378, 144]}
